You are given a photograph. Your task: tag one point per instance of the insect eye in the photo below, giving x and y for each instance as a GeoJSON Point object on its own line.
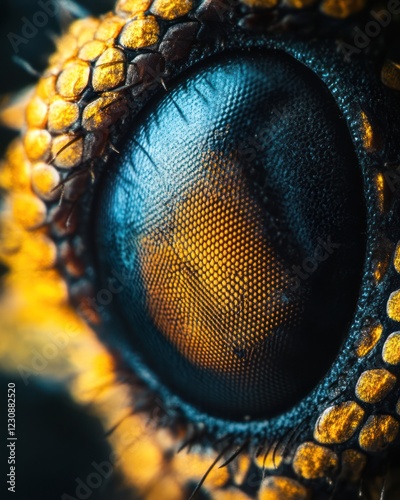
{"type": "Point", "coordinates": [213, 188]}
{"type": "Point", "coordinates": [234, 213]}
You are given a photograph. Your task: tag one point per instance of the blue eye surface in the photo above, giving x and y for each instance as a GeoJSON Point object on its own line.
{"type": "Point", "coordinates": [235, 214]}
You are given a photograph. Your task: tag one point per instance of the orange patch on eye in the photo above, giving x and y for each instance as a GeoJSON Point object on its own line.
{"type": "Point", "coordinates": [214, 285]}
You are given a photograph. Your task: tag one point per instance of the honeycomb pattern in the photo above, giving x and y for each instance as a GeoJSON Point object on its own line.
{"type": "Point", "coordinates": [215, 285]}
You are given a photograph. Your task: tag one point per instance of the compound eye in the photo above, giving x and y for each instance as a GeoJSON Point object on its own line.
{"type": "Point", "coordinates": [235, 216]}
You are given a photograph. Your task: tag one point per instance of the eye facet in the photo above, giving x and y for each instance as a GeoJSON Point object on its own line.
{"type": "Point", "coordinates": [234, 214]}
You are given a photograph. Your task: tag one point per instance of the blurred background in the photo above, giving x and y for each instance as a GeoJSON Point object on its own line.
{"type": "Point", "coordinates": [58, 440]}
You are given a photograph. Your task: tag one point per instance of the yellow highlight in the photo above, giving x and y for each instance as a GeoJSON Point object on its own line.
{"type": "Point", "coordinates": [230, 494]}
{"type": "Point", "coordinates": [241, 467]}
{"type": "Point", "coordinates": [370, 336]}
{"type": "Point", "coordinates": [397, 258]}
{"type": "Point", "coordinates": [166, 488]}
{"type": "Point", "coordinates": [378, 433]}
{"type": "Point", "coordinates": [380, 189]}
{"type": "Point", "coordinates": [171, 9]}
{"type": "Point", "coordinates": [272, 459]}
{"type": "Point", "coordinates": [374, 385]}
{"type": "Point", "coordinates": [391, 349]}
{"type": "Point", "coordinates": [262, 4]}
{"type": "Point", "coordinates": [109, 29]}
{"type": "Point", "coordinates": [45, 179]}
{"type": "Point", "coordinates": [92, 50]}
{"type": "Point", "coordinates": [338, 424]}
{"type": "Point", "coordinates": [67, 151]}
{"type": "Point", "coordinates": [381, 267]}
{"type": "Point", "coordinates": [280, 487]}
{"type": "Point", "coordinates": [74, 79]}
{"type": "Point", "coordinates": [15, 173]}
{"type": "Point", "coordinates": [390, 75]}
{"type": "Point", "coordinates": [393, 306]}
{"type": "Point", "coordinates": [41, 251]}
{"type": "Point", "coordinates": [368, 134]}
{"type": "Point", "coordinates": [46, 88]}
{"type": "Point", "coordinates": [13, 109]}
{"type": "Point", "coordinates": [36, 113]}
{"type": "Point", "coordinates": [104, 111]}
{"type": "Point", "coordinates": [37, 144]}
{"type": "Point", "coordinates": [109, 71]}
{"type": "Point", "coordinates": [342, 9]}
{"type": "Point", "coordinates": [139, 33]}
{"type": "Point", "coordinates": [300, 4]}
{"type": "Point", "coordinates": [312, 461]}
{"type": "Point", "coordinates": [28, 211]}
{"type": "Point", "coordinates": [66, 49]}
{"type": "Point", "coordinates": [62, 115]}
{"type": "Point", "coordinates": [84, 30]}
{"type": "Point", "coordinates": [133, 7]}
{"type": "Point", "coordinates": [196, 466]}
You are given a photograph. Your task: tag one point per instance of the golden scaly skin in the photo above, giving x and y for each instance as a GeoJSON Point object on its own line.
{"type": "Point", "coordinates": [36, 309]}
